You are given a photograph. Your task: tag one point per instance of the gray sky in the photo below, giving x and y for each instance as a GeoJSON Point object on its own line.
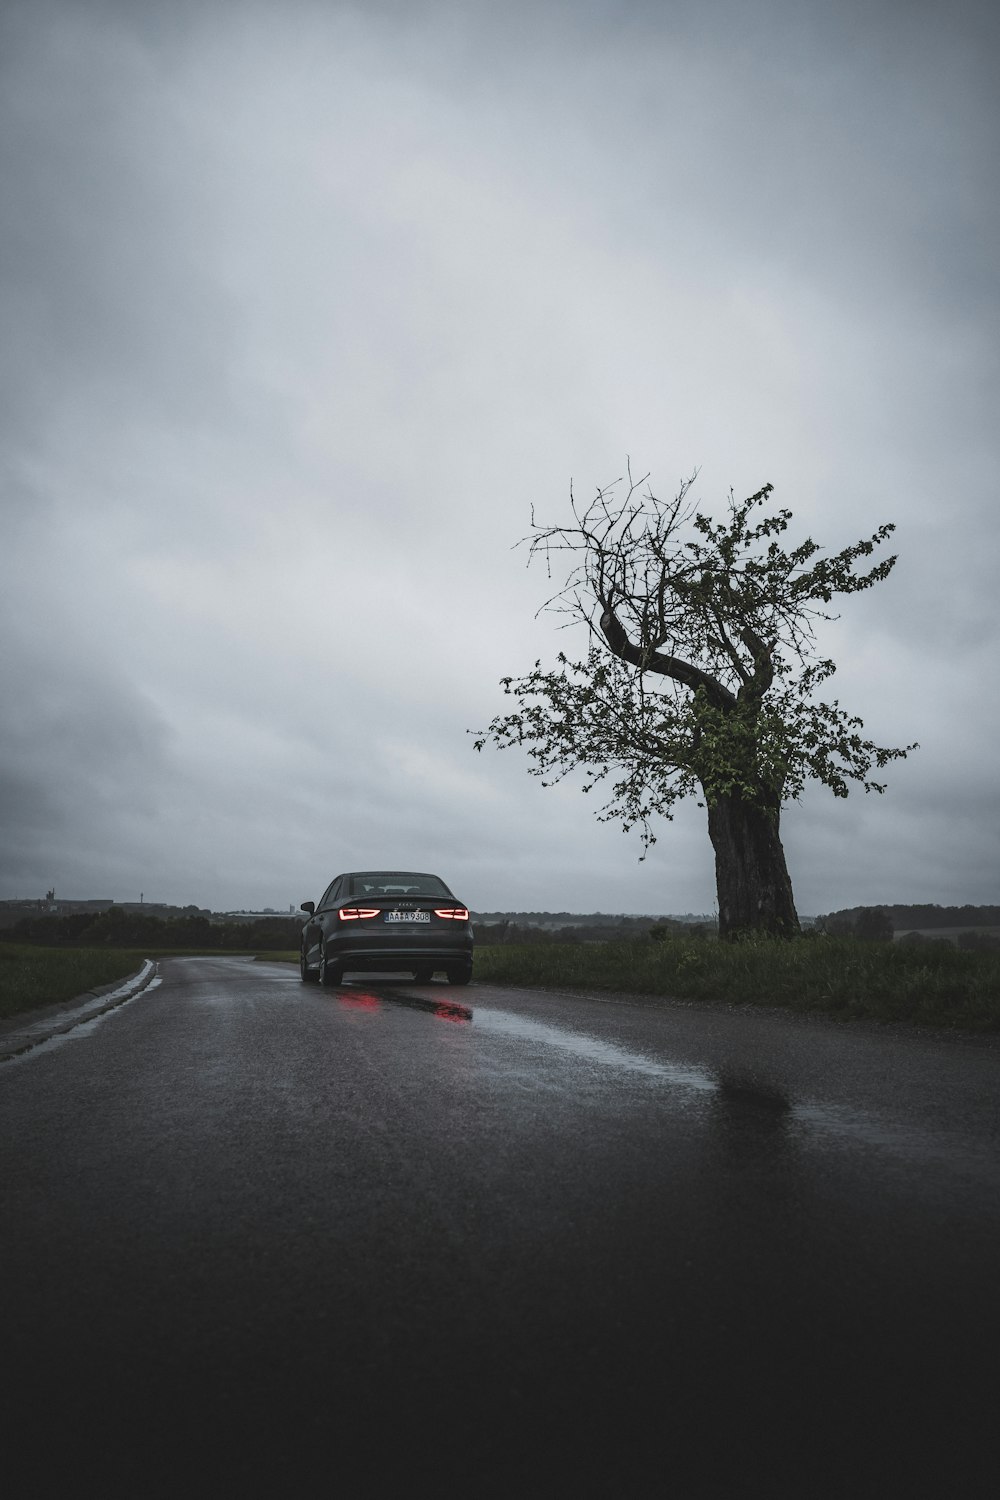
{"type": "Point", "coordinates": [304, 305]}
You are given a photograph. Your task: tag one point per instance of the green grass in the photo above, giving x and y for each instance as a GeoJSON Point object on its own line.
{"type": "Point", "coordinates": [930, 985]}
{"type": "Point", "coordinates": [31, 976]}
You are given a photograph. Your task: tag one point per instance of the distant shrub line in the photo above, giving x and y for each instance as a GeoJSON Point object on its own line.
{"type": "Point", "coordinates": [582, 930]}
{"type": "Point", "coordinates": [911, 918]}
{"type": "Point", "coordinates": [116, 928]}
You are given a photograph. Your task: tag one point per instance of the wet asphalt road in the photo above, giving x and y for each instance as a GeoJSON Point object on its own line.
{"type": "Point", "coordinates": [258, 1238]}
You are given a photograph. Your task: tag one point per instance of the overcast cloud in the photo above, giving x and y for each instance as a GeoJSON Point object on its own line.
{"type": "Point", "coordinates": [304, 305]}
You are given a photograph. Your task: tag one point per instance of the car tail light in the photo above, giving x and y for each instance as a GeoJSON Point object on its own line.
{"type": "Point", "coordinates": [455, 913]}
{"type": "Point", "coordinates": [352, 913]}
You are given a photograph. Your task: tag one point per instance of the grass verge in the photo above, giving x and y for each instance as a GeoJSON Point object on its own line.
{"type": "Point", "coordinates": [31, 977]}
{"type": "Point", "coordinates": [930, 985]}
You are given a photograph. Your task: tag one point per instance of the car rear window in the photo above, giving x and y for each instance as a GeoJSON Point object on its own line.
{"type": "Point", "coordinates": [389, 883]}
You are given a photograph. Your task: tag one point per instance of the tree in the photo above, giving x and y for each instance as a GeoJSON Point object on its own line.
{"type": "Point", "coordinates": [700, 678]}
{"type": "Point", "coordinates": [873, 925]}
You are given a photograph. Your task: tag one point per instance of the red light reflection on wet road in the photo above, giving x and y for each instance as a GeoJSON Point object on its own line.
{"type": "Point", "coordinates": [356, 1001]}
{"type": "Point", "coordinates": [444, 1010]}
{"type": "Point", "coordinates": [460, 1013]}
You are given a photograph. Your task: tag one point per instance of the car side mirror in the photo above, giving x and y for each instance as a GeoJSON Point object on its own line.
{"type": "Point", "coordinates": [309, 906]}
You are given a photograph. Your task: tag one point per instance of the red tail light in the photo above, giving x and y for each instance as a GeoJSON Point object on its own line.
{"type": "Point", "coordinates": [352, 913]}
{"type": "Point", "coordinates": [456, 913]}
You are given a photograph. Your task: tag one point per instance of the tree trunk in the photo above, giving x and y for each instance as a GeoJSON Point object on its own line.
{"type": "Point", "coordinates": [755, 893]}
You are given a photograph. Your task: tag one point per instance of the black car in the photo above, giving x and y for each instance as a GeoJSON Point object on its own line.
{"type": "Point", "coordinates": [390, 920]}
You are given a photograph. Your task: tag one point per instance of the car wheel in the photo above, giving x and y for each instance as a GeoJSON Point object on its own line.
{"type": "Point", "coordinates": [460, 976]}
{"type": "Point", "coordinates": [307, 975]}
{"type": "Point", "coordinates": [423, 976]}
{"type": "Point", "coordinates": [330, 973]}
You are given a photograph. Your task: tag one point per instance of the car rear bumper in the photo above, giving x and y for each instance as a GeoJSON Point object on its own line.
{"type": "Point", "coordinates": [411, 951]}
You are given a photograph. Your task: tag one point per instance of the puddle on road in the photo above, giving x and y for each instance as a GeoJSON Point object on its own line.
{"type": "Point", "coordinates": [591, 1049]}
{"type": "Point", "coordinates": [851, 1127]}
{"type": "Point", "coordinates": [445, 1010]}
{"type": "Point", "coordinates": [351, 1000]}
{"type": "Point", "coordinates": [749, 1099]}
{"type": "Point", "coordinates": [80, 1029]}
{"type": "Point", "coordinates": [832, 1122]}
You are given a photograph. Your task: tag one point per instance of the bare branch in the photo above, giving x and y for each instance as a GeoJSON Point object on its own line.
{"type": "Point", "coordinates": [664, 666]}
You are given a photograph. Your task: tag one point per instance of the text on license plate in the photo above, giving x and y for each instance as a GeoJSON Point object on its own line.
{"type": "Point", "coordinates": [407, 916]}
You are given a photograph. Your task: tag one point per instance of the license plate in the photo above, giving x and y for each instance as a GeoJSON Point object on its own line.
{"type": "Point", "coordinates": [407, 916]}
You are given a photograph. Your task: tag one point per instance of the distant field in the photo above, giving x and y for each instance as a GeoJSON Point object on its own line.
{"type": "Point", "coordinates": [952, 934]}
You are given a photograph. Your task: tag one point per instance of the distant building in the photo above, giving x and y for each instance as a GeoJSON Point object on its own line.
{"type": "Point", "coordinates": [39, 906]}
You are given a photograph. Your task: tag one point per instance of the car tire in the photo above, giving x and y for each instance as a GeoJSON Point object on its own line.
{"type": "Point", "coordinates": [460, 976]}
{"type": "Point", "coordinates": [307, 975]}
{"type": "Point", "coordinates": [330, 973]}
{"type": "Point", "coordinates": [423, 976]}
